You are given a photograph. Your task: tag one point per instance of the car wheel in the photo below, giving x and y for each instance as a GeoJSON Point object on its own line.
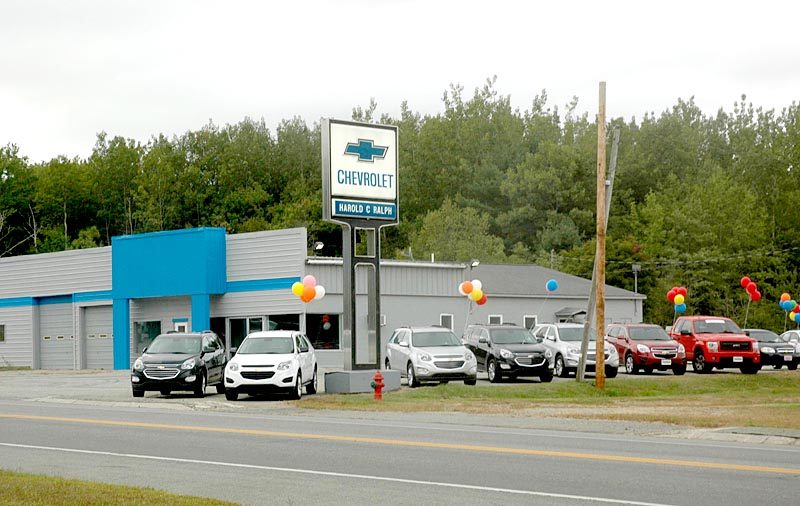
{"type": "Point", "coordinates": [220, 388]}
{"type": "Point", "coordinates": [495, 376]}
{"type": "Point", "coordinates": [386, 365]}
{"type": "Point", "coordinates": [611, 372]}
{"type": "Point", "coordinates": [793, 365]}
{"type": "Point", "coordinates": [471, 382]}
{"type": "Point", "coordinates": [200, 388]}
{"type": "Point", "coordinates": [630, 367]}
{"type": "Point", "coordinates": [297, 391]}
{"type": "Point", "coordinates": [412, 378]}
{"type": "Point", "coordinates": [777, 367]}
{"type": "Point", "coordinates": [138, 393]}
{"type": "Point", "coordinates": [699, 363]}
{"type": "Point", "coordinates": [559, 369]}
{"type": "Point", "coordinates": [166, 392]}
{"type": "Point", "coordinates": [311, 388]}
{"type": "Point", "coordinates": [231, 395]}
{"type": "Point", "coordinates": [547, 376]}
{"type": "Point", "coordinates": [679, 370]}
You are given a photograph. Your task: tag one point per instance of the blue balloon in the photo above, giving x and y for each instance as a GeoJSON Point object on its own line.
{"type": "Point", "coordinates": [797, 317]}
{"type": "Point", "coordinates": [784, 305]}
{"type": "Point", "coordinates": [552, 285]}
{"type": "Point", "coordinates": [680, 308]}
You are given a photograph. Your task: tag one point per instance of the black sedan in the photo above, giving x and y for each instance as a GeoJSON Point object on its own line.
{"type": "Point", "coordinates": [180, 362]}
{"type": "Point", "coordinates": [775, 351]}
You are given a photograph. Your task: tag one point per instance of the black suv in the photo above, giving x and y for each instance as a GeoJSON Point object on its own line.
{"type": "Point", "coordinates": [185, 361]}
{"type": "Point", "coordinates": [508, 350]}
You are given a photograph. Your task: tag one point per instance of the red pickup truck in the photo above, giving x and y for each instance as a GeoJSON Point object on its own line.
{"type": "Point", "coordinates": [715, 341]}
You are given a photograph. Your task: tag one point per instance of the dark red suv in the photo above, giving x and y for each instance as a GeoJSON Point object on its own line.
{"type": "Point", "coordinates": [642, 346]}
{"type": "Point", "coordinates": [715, 341]}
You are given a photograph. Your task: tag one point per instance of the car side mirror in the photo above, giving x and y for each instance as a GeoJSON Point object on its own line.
{"type": "Point", "coordinates": [403, 344]}
{"type": "Point", "coordinates": [144, 350]}
{"type": "Point", "coordinates": [208, 349]}
{"type": "Point", "coordinates": [747, 332]}
{"type": "Point", "coordinates": [686, 332]}
{"type": "Point", "coordinates": [234, 350]}
{"type": "Point", "coordinates": [483, 340]}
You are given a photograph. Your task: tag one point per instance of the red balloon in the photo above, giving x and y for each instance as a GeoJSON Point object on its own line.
{"type": "Point", "coordinates": [755, 296]}
{"type": "Point", "coordinates": [682, 291]}
{"type": "Point", "coordinates": [744, 282]}
{"type": "Point", "coordinates": [671, 295]}
{"type": "Point", "coordinates": [482, 300]}
{"type": "Point", "coordinates": [751, 287]}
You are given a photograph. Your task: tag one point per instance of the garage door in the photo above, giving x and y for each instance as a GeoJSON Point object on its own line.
{"type": "Point", "coordinates": [99, 341]}
{"type": "Point", "coordinates": [57, 350]}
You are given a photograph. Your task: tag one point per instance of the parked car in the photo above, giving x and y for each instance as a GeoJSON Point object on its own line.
{"type": "Point", "coordinates": [792, 336]}
{"type": "Point", "coordinates": [715, 341]}
{"type": "Point", "coordinates": [428, 354]}
{"type": "Point", "coordinates": [775, 351]}
{"type": "Point", "coordinates": [175, 361]}
{"type": "Point", "coordinates": [272, 361]}
{"type": "Point", "coordinates": [646, 347]}
{"type": "Point", "coordinates": [509, 350]}
{"type": "Point", "coordinates": [564, 340]}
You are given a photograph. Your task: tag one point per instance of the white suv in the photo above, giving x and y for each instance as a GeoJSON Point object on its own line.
{"type": "Point", "coordinates": [430, 354]}
{"type": "Point", "coordinates": [269, 361]}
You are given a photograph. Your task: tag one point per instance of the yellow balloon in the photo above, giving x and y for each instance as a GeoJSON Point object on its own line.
{"type": "Point", "coordinates": [297, 288]}
{"type": "Point", "coordinates": [476, 294]}
{"type": "Point", "coordinates": [679, 299]}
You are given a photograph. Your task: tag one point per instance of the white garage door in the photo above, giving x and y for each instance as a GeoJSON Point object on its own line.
{"type": "Point", "coordinates": [57, 350]}
{"type": "Point", "coordinates": [99, 340]}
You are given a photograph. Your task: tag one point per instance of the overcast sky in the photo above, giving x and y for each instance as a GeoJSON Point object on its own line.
{"type": "Point", "coordinates": [70, 69]}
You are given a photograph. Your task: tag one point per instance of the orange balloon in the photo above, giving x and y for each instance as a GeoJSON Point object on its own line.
{"type": "Point", "coordinates": [309, 292]}
{"type": "Point", "coordinates": [785, 297]}
{"type": "Point", "coordinates": [467, 287]}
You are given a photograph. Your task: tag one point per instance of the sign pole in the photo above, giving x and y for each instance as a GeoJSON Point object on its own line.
{"type": "Point", "coordinates": [600, 320]}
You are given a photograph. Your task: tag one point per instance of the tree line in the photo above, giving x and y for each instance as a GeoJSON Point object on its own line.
{"type": "Point", "coordinates": [700, 200]}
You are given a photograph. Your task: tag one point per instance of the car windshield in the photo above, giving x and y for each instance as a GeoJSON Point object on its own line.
{"type": "Point", "coordinates": [716, 326]}
{"type": "Point", "coordinates": [512, 336]}
{"type": "Point", "coordinates": [574, 334]}
{"type": "Point", "coordinates": [765, 336]}
{"type": "Point", "coordinates": [427, 339]}
{"type": "Point", "coordinates": [266, 346]}
{"type": "Point", "coordinates": [175, 344]}
{"type": "Point", "coordinates": [649, 333]}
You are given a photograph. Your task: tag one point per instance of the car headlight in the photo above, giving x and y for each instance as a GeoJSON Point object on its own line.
{"type": "Point", "coordinates": [138, 365]}
{"type": "Point", "coordinates": [573, 351]}
{"type": "Point", "coordinates": [469, 357]}
{"type": "Point", "coordinates": [424, 357]}
{"type": "Point", "coordinates": [188, 364]}
{"type": "Point", "coordinates": [768, 349]}
{"type": "Point", "coordinates": [681, 348]}
{"type": "Point", "coordinates": [712, 346]}
{"type": "Point", "coordinates": [284, 365]}
{"type": "Point", "coordinates": [233, 366]}
{"type": "Point", "coordinates": [548, 354]}
{"type": "Point", "coordinates": [505, 353]}
{"type": "Point", "coordinates": [642, 348]}
{"type": "Point", "coordinates": [611, 350]}
{"type": "Point", "coordinates": [755, 345]}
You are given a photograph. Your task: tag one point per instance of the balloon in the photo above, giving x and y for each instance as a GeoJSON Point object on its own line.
{"type": "Point", "coordinates": [309, 281]}
{"type": "Point", "coordinates": [744, 282]}
{"type": "Point", "coordinates": [751, 287]}
{"type": "Point", "coordinates": [551, 285]}
{"type": "Point", "coordinates": [467, 287]}
{"type": "Point", "coordinates": [797, 317]}
{"type": "Point", "coordinates": [671, 296]}
{"type": "Point", "coordinates": [476, 283]}
{"type": "Point", "coordinates": [792, 314]}
{"type": "Point", "coordinates": [681, 291]}
{"type": "Point", "coordinates": [482, 300]}
{"type": "Point", "coordinates": [308, 293]}
{"type": "Point", "coordinates": [679, 299]}
{"type": "Point", "coordinates": [755, 296]}
{"type": "Point", "coordinates": [791, 305]}
{"type": "Point", "coordinates": [461, 288]}
{"type": "Point", "coordinates": [785, 296]}
{"type": "Point", "coordinates": [476, 294]}
{"type": "Point", "coordinates": [297, 288]}
{"type": "Point", "coordinates": [680, 308]}
{"type": "Point", "coordinates": [782, 304]}
{"type": "Point", "coordinates": [320, 292]}
{"type": "Point", "coordinates": [326, 325]}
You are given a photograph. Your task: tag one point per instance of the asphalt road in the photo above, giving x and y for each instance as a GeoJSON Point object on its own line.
{"type": "Point", "coordinates": [291, 456]}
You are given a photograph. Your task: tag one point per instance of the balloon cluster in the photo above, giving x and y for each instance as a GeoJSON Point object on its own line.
{"type": "Point", "coordinates": [677, 295]}
{"type": "Point", "coordinates": [551, 285]}
{"type": "Point", "coordinates": [308, 290]}
{"type": "Point", "coordinates": [474, 290]}
{"type": "Point", "coordinates": [752, 289]}
{"type": "Point", "coordinates": [790, 305]}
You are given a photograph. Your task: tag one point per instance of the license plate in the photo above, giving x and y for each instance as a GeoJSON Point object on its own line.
{"type": "Point", "coordinates": [787, 358]}
{"type": "Point", "coordinates": [738, 359]}
{"type": "Point", "coordinates": [666, 361]}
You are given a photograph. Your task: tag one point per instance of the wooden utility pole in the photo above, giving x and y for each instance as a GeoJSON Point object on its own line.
{"type": "Point", "coordinates": [600, 320]}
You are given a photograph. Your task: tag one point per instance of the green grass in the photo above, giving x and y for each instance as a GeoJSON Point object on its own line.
{"type": "Point", "coordinates": [772, 400]}
{"type": "Point", "coordinates": [14, 368]}
{"type": "Point", "coordinates": [29, 489]}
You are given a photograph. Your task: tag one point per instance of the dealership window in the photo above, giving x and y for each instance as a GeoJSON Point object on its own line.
{"type": "Point", "coordinates": [495, 319]}
{"type": "Point", "coordinates": [144, 333]}
{"type": "Point", "coordinates": [530, 321]}
{"type": "Point", "coordinates": [283, 322]}
{"type": "Point", "coordinates": [446, 320]}
{"type": "Point", "coordinates": [323, 331]}
{"type": "Point", "coordinates": [2, 333]}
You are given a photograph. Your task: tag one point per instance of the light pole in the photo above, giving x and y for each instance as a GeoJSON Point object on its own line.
{"type": "Point", "coordinates": [636, 270]}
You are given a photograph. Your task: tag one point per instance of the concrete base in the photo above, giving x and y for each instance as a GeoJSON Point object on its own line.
{"type": "Point", "coordinates": [357, 382]}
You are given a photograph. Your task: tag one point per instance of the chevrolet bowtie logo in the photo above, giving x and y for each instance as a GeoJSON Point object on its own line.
{"type": "Point", "coordinates": [366, 150]}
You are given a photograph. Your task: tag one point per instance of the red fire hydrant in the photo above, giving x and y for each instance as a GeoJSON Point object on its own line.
{"type": "Point", "coordinates": [377, 384]}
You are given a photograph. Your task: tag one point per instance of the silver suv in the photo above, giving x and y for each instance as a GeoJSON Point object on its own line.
{"type": "Point", "coordinates": [428, 354]}
{"type": "Point", "coordinates": [564, 339]}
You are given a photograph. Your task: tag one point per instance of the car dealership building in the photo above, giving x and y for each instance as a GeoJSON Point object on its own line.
{"type": "Point", "coordinates": [99, 308]}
